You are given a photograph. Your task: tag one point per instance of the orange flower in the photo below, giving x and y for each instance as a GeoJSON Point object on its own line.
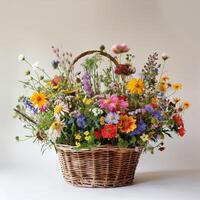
{"type": "Point", "coordinates": [186, 104]}
{"type": "Point", "coordinates": [177, 86]}
{"type": "Point", "coordinates": [162, 87]}
{"type": "Point", "coordinates": [127, 123]}
{"type": "Point", "coordinates": [39, 99]}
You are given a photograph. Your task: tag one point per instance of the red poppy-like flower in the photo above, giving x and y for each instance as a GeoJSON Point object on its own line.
{"type": "Point", "coordinates": [109, 131]}
{"type": "Point", "coordinates": [181, 129]}
{"type": "Point", "coordinates": [97, 134]}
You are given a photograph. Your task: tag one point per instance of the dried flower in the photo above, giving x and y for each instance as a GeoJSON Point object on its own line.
{"type": "Point", "coordinates": [164, 56]}
{"type": "Point", "coordinates": [21, 57]}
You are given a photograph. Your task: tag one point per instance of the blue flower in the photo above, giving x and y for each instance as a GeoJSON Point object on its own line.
{"type": "Point", "coordinates": [157, 114]}
{"type": "Point", "coordinates": [112, 118]}
{"type": "Point", "coordinates": [141, 127]}
{"type": "Point", "coordinates": [80, 120]}
{"type": "Point", "coordinates": [29, 105]}
{"type": "Point", "coordinates": [149, 109]}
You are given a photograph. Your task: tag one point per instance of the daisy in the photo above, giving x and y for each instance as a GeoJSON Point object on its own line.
{"type": "Point", "coordinates": [56, 129]}
{"type": "Point", "coordinates": [112, 118]}
{"type": "Point", "coordinates": [60, 109]}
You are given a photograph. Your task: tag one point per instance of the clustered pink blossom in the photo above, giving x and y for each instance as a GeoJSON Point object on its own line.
{"type": "Point", "coordinates": [120, 48]}
{"type": "Point", "coordinates": [113, 103]}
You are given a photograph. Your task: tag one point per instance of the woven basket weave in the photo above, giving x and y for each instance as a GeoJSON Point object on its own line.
{"type": "Point", "coordinates": [105, 166]}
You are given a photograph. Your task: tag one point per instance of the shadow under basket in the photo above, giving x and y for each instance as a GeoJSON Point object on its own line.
{"type": "Point", "coordinates": [104, 166]}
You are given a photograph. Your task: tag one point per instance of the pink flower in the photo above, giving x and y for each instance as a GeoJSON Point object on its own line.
{"type": "Point", "coordinates": [120, 48]}
{"type": "Point", "coordinates": [113, 103]}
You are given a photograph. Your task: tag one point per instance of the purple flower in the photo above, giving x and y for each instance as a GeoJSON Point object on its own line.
{"type": "Point", "coordinates": [158, 115]}
{"type": "Point", "coordinates": [80, 120]}
{"type": "Point", "coordinates": [86, 80]}
{"type": "Point", "coordinates": [29, 105]}
{"type": "Point", "coordinates": [149, 109]}
{"type": "Point", "coordinates": [112, 118]}
{"type": "Point", "coordinates": [155, 113]}
{"type": "Point", "coordinates": [141, 127]}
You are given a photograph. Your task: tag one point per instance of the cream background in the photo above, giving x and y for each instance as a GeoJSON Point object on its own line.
{"type": "Point", "coordinates": [32, 26]}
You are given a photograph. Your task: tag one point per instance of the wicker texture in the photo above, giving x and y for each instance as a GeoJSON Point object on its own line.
{"type": "Point", "coordinates": [105, 166]}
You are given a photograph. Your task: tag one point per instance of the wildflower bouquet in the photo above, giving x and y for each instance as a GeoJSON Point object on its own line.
{"type": "Point", "coordinates": [104, 103]}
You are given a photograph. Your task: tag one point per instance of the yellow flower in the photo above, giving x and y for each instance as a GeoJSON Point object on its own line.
{"type": "Point", "coordinates": [69, 92]}
{"type": "Point", "coordinates": [177, 86]}
{"type": "Point", "coordinates": [87, 101]}
{"type": "Point", "coordinates": [58, 109]}
{"type": "Point", "coordinates": [135, 86]}
{"type": "Point", "coordinates": [78, 144]}
{"type": "Point", "coordinates": [154, 100]}
{"type": "Point", "coordinates": [162, 87]}
{"type": "Point", "coordinates": [127, 123]}
{"type": "Point", "coordinates": [78, 136]}
{"type": "Point", "coordinates": [86, 133]}
{"type": "Point", "coordinates": [102, 120]}
{"type": "Point", "coordinates": [87, 138]}
{"type": "Point", "coordinates": [57, 125]}
{"type": "Point", "coordinates": [77, 97]}
{"type": "Point", "coordinates": [186, 104]}
{"type": "Point", "coordinates": [39, 99]}
{"type": "Point", "coordinates": [144, 137]}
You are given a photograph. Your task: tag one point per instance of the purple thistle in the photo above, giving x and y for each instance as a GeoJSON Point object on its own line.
{"type": "Point", "coordinates": [86, 80]}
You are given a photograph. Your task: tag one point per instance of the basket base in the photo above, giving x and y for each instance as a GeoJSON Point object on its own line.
{"type": "Point", "coordinates": [101, 167]}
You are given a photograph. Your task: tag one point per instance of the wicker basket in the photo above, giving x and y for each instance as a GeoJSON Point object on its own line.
{"type": "Point", "coordinates": [105, 166]}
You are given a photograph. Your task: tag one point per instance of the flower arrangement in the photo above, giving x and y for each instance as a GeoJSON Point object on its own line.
{"type": "Point", "coordinates": [104, 103]}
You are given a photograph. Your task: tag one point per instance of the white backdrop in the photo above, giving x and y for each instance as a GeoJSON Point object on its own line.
{"type": "Point", "coordinates": [31, 27]}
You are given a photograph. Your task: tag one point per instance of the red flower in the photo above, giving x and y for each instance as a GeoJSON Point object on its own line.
{"type": "Point", "coordinates": [122, 98]}
{"type": "Point", "coordinates": [181, 131]}
{"type": "Point", "coordinates": [154, 105]}
{"type": "Point", "coordinates": [122, 69]}
{"type": "Point", "coordinates": [178, 119]}
{"type": "Point", "coordinates": [56, 80]}
{"type": "Point", "coordinates": [109, 131]}
{"type": "Point", "coordinates": [97, 134]}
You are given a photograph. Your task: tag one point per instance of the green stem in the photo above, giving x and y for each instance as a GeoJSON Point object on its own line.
{"type": "Point", "coordinates": [25, 116]}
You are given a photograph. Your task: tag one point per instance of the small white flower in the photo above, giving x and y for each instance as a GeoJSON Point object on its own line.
{"type": "Point", "coordinates": [35, 65]}
{"type": "Point", "coordinates": [21, 57]}
{"type": "Point", "coordinates": [97, 111]}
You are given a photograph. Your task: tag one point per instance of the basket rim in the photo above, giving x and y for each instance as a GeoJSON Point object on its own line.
{"type": "Point", "coordinates": [65, 147]}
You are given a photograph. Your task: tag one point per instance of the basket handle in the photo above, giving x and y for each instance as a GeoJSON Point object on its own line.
{"type": "Point", "coordinates": [92, 52]}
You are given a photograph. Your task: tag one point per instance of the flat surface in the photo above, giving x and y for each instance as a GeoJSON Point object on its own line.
{"type": "Point", "coordinates": [39, 185]}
